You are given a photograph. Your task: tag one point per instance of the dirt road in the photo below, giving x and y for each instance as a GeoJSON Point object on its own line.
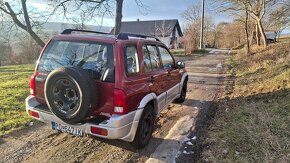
{"type": "Point", "coordinates": [41, 144]}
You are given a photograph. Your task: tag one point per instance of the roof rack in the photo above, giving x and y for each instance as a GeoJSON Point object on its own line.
{"type": "Point", "coordinates": [69, 31]}
{"type": "Point", "coordinates": [125, 36]}
{"type": "Point", "coordinates": [121, 36]}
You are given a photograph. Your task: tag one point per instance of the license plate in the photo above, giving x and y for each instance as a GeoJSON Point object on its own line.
{"type": "Point", "coordinates": [67, 129]}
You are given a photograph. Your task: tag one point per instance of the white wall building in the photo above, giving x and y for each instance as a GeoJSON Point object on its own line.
{"type": "Point", "coordinates": [168, 31]}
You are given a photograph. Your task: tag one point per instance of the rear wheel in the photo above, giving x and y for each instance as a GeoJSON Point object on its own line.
{"type": "Point", "coordinates": [145, 128]}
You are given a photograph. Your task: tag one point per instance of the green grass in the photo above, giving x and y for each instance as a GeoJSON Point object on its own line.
{"type": "Point", "coordinates": [253, 123]}
{"type": "Point", "coordinates": [181, 52]}
{"type": "Point", "coordinates": [14, 88]}
{"type": "Point", "coordinates": [177, 51]}
{"type": "Point", "coordinates": [200, 51]}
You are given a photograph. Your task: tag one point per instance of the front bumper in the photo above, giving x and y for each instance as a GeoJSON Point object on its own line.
{"type": "Point", "coordinates": [122, 127]}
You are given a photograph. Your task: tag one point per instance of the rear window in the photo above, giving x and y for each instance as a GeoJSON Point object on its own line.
{"type": "Point", "coordinates": [97, 58]}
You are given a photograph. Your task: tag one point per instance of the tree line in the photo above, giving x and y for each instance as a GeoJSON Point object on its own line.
{"type": "Point", "coordinates": [29, 19]}
{"type": "Point", "coordinates": [252, 18]}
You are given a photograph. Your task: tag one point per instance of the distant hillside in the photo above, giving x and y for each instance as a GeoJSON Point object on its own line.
{"type": "Point", "coordinates": [58, 27]}
{"type": "Point", "coordinates": [285, 35]}
{"type": "Point", "coordinates": [22, 45]}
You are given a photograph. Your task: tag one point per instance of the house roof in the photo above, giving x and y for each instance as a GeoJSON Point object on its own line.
{"type": "Point", "coordinates": [152, 27]}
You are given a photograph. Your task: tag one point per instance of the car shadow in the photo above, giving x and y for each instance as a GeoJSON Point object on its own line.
{"type": "Point", "coordinates": [204, 108]}
{"type": "Point", "coordinates": [144, 152]}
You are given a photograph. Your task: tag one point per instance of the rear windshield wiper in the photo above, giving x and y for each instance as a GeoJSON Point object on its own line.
{"type": "Point", "coordinates": [83, 61]}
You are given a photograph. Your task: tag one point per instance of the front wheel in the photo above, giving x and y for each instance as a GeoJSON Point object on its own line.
{"type": "Point", "coordinates": [182, 96]}
{"type": "Point", "coordinates": [145, 128]}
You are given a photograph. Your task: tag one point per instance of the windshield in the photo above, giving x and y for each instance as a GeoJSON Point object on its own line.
{"type": "Point", "coordinates": [97, 58]}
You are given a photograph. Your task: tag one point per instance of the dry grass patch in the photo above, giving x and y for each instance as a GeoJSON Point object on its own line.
{"type": "Point", "coordinates": [253, 123]}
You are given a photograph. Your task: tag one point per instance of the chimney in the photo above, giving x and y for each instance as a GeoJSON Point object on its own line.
{"type": "Point", "coordinates": [138, 20]}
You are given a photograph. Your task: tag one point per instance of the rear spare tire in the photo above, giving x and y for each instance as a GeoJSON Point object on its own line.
{"type": "Point", "coordinates": [71, 94]}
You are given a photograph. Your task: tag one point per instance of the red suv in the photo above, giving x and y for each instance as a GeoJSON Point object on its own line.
{"type": "Point", "coordinates": [104, 85]}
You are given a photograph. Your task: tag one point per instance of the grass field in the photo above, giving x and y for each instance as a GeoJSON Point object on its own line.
{"type": "Point", "coordinates": [14, 88]}
{"type": "Point", "coordinates": [252, 123]}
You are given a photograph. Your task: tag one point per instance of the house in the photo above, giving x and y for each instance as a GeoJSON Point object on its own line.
{"type": "Point", "coordinates": [168, 31]}
{"type": "Point", "coordinates": [271, 37]}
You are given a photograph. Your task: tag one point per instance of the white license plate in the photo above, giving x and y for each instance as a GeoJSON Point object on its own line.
{"type": "Point", "coordinates": [67, 129]}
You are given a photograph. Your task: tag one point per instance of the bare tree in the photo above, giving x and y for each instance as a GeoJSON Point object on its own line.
{"type": "Point", "coordinates": [162, 30]}
{"type": "Point", "coordinates": [240, 10]}
{"type": "Point", "coordinates": [94, 9]}
{"type": "Point", "coordinates": [192, 13]}
{"type": "Point", "coordinates": [192, 17]}
{"type": "Point", "coordinates": [7, 33]}
{"type": "Point", "coordinates": [246, 22]}
{"type": "Point", "coordinates": [4, 52]}
{"type": "Point", "coordinates": [80, 22]}
{"type": "Point", "coordinates": [191, 34]}
{"type": "Point", "coordinates": [20, 16]}
{"type": "Point", "coordinates": [278, 21]}
{"type": "Point", "coordinates": [118, 17]}
{"type": "Point", "coordinates": [209, 27]}
{"type": "Point", "coordinates": [255, 8]}
{"type": "Point", "coordinates": [27, 49]}
{"type": "Point", "coordinates": [244, 18]}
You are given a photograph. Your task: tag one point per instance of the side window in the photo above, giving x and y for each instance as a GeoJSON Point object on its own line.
{"type": "Point", "coordinates": [146, 59]}
{"type": "Point", "coordinates": [131, 60]}
{"type": "Point", "coordinates": [154, 57]}
{"type": "Point", "coordinates": [166, 58]}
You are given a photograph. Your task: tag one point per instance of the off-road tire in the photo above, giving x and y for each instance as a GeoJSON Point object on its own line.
{"type": "Point", "coordinates": [75, 89]}
{"type": "Point", "coordinates": [144, 134]}
{"type": "Point", "coordinates": [182, 96]}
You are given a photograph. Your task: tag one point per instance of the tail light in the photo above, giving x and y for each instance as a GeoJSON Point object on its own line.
{"type": "Point", "coordinates": [120, 102]}
{"type": "Point", "coordinates": [99, 131]}
{"type": "Point", "coordinates": [32, 85]}
{"type": "Point", "coordinates": [33, 114]}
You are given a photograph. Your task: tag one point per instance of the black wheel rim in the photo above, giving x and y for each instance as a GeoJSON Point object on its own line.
{"type": "Point", "coordinates": [65, 96]}
{"type": "Point", "coordinates": [147, 127]}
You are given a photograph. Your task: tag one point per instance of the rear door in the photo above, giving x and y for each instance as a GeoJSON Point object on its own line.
{"type": "Point", "coordinates": [136, 85]}
{"type": "Point", "coordinates": [172, 74]}
{"type": "Point", "coordinates": [155, 74]}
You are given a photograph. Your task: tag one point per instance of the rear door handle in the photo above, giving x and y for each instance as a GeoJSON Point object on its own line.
{"type": "Point", "coordinates": [152, 79]}
{"type": "Point", "coordinates": [168, 73]}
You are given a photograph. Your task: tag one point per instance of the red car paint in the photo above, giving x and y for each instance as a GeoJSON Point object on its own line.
{"type": "Point", "coordinates": [135, 87]}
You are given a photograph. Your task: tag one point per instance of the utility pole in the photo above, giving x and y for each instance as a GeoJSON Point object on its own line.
{"type": "Point", "coordinates": [202, 22]}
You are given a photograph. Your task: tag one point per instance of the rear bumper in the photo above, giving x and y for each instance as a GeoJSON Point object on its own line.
{"type": "Point", "coordinates": [119, 127]}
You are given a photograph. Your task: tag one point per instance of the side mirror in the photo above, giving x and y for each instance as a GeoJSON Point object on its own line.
{"type": "Point", "coordinates": [180, 65]}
